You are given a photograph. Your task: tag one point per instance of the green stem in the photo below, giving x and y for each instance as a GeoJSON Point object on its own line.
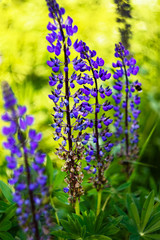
{"type": "Point", "coordinates": [105, 203]}
{"type": "Point", "coordinates": [77, 208]}
{"type": "Point", "coordinates": [99, 202]}
{"type": "Point", "coordinates": [56, 215]}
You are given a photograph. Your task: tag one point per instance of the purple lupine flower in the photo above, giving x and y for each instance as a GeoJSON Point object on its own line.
{"type": "Point", "coordinates": [29, 179]}
{"type": "Point", "coordinates": [66, 112]}
{"type": "Point", "coordinates": [126, 102]}
{"type": "Point", "coordinates": [94, 75]}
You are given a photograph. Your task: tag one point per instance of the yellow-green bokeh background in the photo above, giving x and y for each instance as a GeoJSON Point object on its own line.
{"type": "Point", "coordinates": [23, 58]}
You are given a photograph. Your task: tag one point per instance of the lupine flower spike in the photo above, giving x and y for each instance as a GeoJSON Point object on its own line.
{"type": "Point", "coordinates": [126, 102]}
{"type": "Point", "coordinates": [26, 162]}
{"type": "Point", "coordinates": [66, 117]}
{"type": "Point", "coordinates": [95, 98]}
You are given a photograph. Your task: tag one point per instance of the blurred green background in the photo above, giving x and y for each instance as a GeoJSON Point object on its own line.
{"type": "Point", "coordinates": [23, 57]}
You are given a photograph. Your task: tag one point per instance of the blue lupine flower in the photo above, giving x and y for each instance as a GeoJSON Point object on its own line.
{"type": "Point", "coordinates": [66, 115]}
{"type": "Point", "coordinates": [28, 187]}
{"type": "Point", "coordinates": [93, 74]}
{"type": "Point", "coordinates": [126, 104]}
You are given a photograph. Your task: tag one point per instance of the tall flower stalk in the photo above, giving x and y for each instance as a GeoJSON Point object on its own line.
{"type": "Point", "coordinates": [126, 102]}
{"type": "Point", "coordinates": [124, 15]}
{"type": "Point", "coordinates": [26, 162]}
{"type": "Point", "coordinates": [96, 157]}
{"type": "Point", "coordinates": [66, 117]}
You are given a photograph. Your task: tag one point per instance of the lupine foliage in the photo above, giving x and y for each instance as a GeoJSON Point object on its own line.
{"type": "Point", "coordinates": [96, 127]}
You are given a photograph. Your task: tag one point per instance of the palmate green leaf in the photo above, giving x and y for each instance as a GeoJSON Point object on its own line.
{"type": "Point", "coordinates": [5, 226]}
{"type": "Point", "coordinates": [156, 208]}
{"type": "Point", "coordinates": [80, 227]}
{"type": "Point", "coordinates": [49, 170]}
{"type": "Point", "coordinates": [62, 197]}
{"type": "Point", "coordinates": [6, 236]}
{"type": "Point", "coordinates": [98, 237]}
{"type": "Point", "coordinates": [89, 221]}
{"type": "Point", "coordinates": [20, 235]}
{"type": "Point", "coordinates": [6, 191]}
{"type": "Point", "coordinates": [153, 236]}
{"type": "Point", "coordinates": [153, 221]}
{"type": "Point", "coordinates": [78, 218]}
{"type": "Point", "coordinates": [110, 228]}
{"type": "Point", "coordinates": [123, 186]}
{"type": "Point", "coordinates": [10, 212]}
{"type": "Point", "coordinates": [135, 237]}
{"type": "Point", "coordinates": [129, 201]}
{"type": "Point", "coordinates": [147, 210]}
{"type": "Point", "coordinates": [131, 227]}
{"type": "Point", "coordinates": [135, 214]}
{"type": "Point", "coordinates": [64, 234]}
{"type": "Point", "coordinates": [72, 226]}
{"type": "Point", "coordinates": [122, 213]}
{"type": "Point", "coordinates": [153, 228]}
{"type": "Point", "coordinates": [99, 222]}
{"type": "Point", "coordinates": [146, 238]}
{"type": "Point", "coordinates": [59, 178]}
{"type": "Point", "coordinates": [117, 220]}
{"type": "Point", "coordinates": [3, 206]}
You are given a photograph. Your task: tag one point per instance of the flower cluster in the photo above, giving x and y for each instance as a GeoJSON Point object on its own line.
{"type": "Point", "coordinates": [29, 179]}
{"type": "Point", "coordinates": [126, 101]}
{"type": "Point", "coordinates": [68, 124]}
{"type": "Point", "coordinates": [94, 96]}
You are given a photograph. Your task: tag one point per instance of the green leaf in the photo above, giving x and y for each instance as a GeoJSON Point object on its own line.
{"type": "Point", "coordinates": [6, 191]}
{"type": "Point", "coordinates": [63, 234]}
{"type": "Point", "coordinates": [3, 206]}
{"type": "Point", "coordinates": [153, 236]}
{"type": "Point", "coordinates": [109, 230]}
{"type": "Point", "coordinates": [135, 214]}
{"type": "Point", "coordinates": [97, 237]}
{"type": "Point", "coordinates": [156, 208]}
{"type": "Point", "coordinates": [99, 222]}
{"type": "Point", "coordinates": [5, 226]}
{"type": "Point", "coordinates": [134, 237]}
{"type": "Point", "coordinates": [123, 186]}
{"type": "Point", "coordinates": [155, 218]}
{"type": "Point", "coordinates": [121, 212]}
{"type": "Point", "coordinates": [59, 178]}
{"type": "Point", "coordinates": [6, 236]}
{"type": "Point", "coordinates": [146, 238]}
{"type": "Point", "coordinates": [153, 228]}
{"type": "Point", "coordinates": [72, 226]}
{"type": "Point", "coordinates": [116, 220]}
{"type": "Point", "coordinates": [131, 227]}
{"type": "Point", "coordinates": [10, 212]}
{"type": "Point", "coordinates": [61, 196]}
{"type": "Point", "coordinates": [50, 170]}
{"type": "Point", "coordinates": [89, 221]}
{"type": "Point", "coordinates": [21, 235]}
{"type": "Point", "coordinates": [148, 138]}
{"type": "Point", "coordinates": [147, 210]}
